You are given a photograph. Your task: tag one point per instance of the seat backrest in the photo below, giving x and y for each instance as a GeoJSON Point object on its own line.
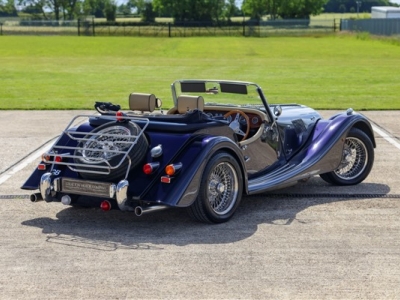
{"type": "Point", "coordinates": [186, 103]}
{"type": "Point", "coordinates": [142, 102]}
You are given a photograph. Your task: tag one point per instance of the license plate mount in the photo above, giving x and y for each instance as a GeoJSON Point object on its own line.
{"type": "Point", "coordinates": [86, 187]}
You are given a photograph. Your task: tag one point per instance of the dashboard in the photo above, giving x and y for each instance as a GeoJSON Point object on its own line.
{"type": "Point", "coordinates": [255, 119]}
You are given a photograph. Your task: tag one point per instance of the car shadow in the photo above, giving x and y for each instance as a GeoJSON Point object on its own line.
{"type": "Point", "coordinates": [109, 231]}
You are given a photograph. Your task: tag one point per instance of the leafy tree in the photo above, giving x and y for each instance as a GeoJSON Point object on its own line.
{"type": "Point", "coordinates": [69, 9]}
{"type": "Point", "coordinates": [101, 9]}
{"type": "Point", "coordinates": [300, 9]}
{"type": "Point", "coordinates": [65, 8]}
{"type": "Point", "coordinates": [37, 6]}
{"type": "Point", "coordinates": [191, 10]}
{"type": "Point", "coordinates": [124, 9]}
{"type": "Point", "coordinates": [282, 8]}
{"type": "Point", "coordinates": [148, 14]}
{"type": "Point", "coordinates": [231, 9]}
{"type": "Point", "coordinates": [110, 10]}
{"type": "Point", "coordinates": [139, 5]}
{"type": "Point", "coordinates": [7, 8]}
{"type": "Point", "coordinates": [350, 5]}
{"type": "Point", "coordinates": [94, 8]}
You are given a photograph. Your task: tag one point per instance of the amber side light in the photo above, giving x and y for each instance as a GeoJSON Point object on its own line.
{"type": "Point", "coordinates": [172, 169]}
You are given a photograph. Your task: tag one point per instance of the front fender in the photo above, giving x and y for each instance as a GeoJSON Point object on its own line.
{"type": "Point", "coordinates": [321, 155]}
{"type": "Point", "coordinates": [329, 136]}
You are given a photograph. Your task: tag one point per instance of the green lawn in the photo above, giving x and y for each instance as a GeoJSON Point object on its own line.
{"type": "Point", "coordinates": [332, 72]}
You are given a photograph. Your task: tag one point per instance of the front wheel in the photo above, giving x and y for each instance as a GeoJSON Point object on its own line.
{"type": "Point", "coordinates": [357, 160]}
{"type": "Point", "coordinates": [220, 192]}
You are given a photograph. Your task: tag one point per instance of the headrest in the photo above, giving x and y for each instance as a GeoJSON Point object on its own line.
{"type": "Point", "coordinates": [186, 103]}
{"type": "Point", "coordinates": [142, 102]}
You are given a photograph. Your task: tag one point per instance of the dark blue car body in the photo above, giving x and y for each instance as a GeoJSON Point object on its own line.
{"type": "Point", "coordinates": [200, 155]}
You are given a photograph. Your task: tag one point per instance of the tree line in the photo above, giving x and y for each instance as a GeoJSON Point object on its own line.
{"type": "Point", "coordinates": [184, 10]}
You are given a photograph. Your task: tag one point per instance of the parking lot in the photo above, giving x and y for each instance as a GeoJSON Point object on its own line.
{"type": "Point", "coordinates": [309, 241]}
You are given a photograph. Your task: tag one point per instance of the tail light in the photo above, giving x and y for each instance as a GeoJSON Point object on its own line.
{"type": "Point", "coordinates": [173, 169]}
{"type": "Point", "coordinates": [41, 167]}
{"type": "Point", "coordinates": [119, 116]}
{"type": "Point", "coordinates": [47, 158]}
{"type": "Point", "coordinates": [105, 205]}
{"type": "Point", "coordinates": [149, 168]}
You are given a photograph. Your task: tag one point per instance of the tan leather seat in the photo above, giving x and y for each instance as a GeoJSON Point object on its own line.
{"type": "Point", "coordinates": [186, 103]}
{"type": "Point", "coordinates": [139, 102]}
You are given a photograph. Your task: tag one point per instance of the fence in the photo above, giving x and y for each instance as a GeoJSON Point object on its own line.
{"type": "Point", "coordinates": [184, 29]}
{"type": "Point", "coordinates": [373, 26]}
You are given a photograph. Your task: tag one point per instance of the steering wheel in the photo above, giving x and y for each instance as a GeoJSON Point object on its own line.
{"type": "Point", "coordinates": [236, 125]}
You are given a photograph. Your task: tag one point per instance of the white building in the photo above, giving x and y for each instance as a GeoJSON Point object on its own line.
{"type": "Point", "coordinates": [385, 12]}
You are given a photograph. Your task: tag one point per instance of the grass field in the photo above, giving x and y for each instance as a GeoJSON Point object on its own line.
{"type": "Point", "coordinates": [332, 72]}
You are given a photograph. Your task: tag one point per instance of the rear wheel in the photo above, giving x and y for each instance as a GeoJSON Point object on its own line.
{"type": "Point", "coordinates": [220, 192]}
{"type": "Point", "coordinates": [357, 160]}
{"type": "Point", "coordinates": [99, 150]}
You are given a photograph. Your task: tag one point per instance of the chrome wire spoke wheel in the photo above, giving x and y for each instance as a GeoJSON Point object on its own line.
{"type": "Point", "coordinates": [222, 188]}
{"type": "Point", "coordinates": [220, 192]}
{"type": "Point", "coordinates": [107, 144]}
{"type": "Point", "coordinates": [354, 159]}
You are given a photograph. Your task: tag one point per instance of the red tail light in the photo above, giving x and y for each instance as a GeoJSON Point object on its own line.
{"type": "Point", "coordinates": [41, 167]}
{"type": "Point", "coordinates": [149, 168]}
{"type": "Point", "coordinates": [58, 158]}
{"type": "Point", "coordinates": [165, 179]}
{"type": "Point", "coordinates": [105, 205]}
{"type": "Point", "coordinates": [119, 115]}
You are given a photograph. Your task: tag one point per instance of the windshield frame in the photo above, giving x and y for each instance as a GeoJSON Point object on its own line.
{"type": "Point", "coordinates": [202, 87]}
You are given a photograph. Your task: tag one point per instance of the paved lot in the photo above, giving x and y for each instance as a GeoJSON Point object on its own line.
{"type": "Point", "coordinates": [275, 247]}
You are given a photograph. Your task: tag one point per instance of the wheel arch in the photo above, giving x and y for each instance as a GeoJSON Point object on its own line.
{"type": "Point", "coordinates": [215, 145]}
{"type": "Point", "coordinates": [367, 129]}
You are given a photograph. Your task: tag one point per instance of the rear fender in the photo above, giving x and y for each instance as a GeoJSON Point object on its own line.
{"type": "Point", "coordinates": [186, 188]}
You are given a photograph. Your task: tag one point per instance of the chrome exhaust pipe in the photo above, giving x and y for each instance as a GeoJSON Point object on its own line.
{"type": "Point", "coordinates": [36, 197]}
{"type": "Point", "coordinates": [139, 211]}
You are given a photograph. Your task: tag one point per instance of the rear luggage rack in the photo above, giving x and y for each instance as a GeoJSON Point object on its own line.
{"type": "Point", "coordinates": [96, 149]}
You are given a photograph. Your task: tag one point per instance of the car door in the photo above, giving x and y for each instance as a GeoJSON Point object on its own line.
{"type": "Point", "coordinates": [263, 149]}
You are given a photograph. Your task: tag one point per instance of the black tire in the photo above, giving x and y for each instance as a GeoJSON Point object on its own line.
{"type": "Point", "coordinates": [137, 153]}
{"type": "Point", "coordinates": [221, 189]}
{"type": "Point", "coordinates": [326, 178]}
{"type": "Point", "coordinates": [357, 160]}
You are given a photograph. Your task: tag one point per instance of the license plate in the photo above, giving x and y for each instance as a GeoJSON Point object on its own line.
{"type": "Point", "coordinates": [85, 187]}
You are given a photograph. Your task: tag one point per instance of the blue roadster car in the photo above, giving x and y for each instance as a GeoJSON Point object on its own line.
{"type": "Point", "coordinates": [220, 140]}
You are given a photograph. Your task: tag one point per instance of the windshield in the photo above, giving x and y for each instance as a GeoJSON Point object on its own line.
{"type": "Point", "coordinates": [221, 93]}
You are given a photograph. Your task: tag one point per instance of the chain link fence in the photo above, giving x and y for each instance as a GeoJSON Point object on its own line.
{"type": "Point", "coordinates": [184, 29]}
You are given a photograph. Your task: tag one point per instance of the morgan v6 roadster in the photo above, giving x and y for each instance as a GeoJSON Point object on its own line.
{"type": "Point", "coordinates": [220, 140]}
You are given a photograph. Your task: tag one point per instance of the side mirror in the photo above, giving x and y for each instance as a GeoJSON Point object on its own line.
{"type": "Point", "coordinates": [277, 111]}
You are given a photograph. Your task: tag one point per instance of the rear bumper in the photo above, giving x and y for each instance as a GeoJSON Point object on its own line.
{"type": "Point", "coordinates": [49, 187]}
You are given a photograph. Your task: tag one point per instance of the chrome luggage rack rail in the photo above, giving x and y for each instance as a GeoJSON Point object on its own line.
{"type": "Point", "coordinates": [110, 145]}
